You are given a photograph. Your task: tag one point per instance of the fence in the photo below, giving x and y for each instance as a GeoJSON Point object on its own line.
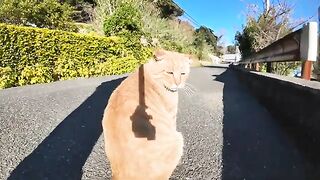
{"type": "Point", "coordinates": [301, 45]}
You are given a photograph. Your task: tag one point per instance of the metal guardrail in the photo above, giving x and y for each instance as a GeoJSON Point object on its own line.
{"type": "Point", "coordinates": [301, 45]}
{"type": "Point", "coordinates": [285, 49]}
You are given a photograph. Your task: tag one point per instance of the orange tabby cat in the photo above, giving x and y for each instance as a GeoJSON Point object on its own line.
{"type": "Point", "coordinates": [139, 123]}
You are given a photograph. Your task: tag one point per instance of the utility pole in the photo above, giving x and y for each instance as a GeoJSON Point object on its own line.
{"type": "Point", "coordinates": [266, 5]}
{"type": "Point", "coordinates": [267, 8]}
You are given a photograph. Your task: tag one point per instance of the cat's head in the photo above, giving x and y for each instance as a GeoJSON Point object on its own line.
{"type": "Point", "coordinates": [175, 69]}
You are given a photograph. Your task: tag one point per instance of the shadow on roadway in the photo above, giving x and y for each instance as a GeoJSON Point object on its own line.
{"type": "Point", "coordinates": [63, 153]}
{"type": "Point", "coordinates": [222, 66]}
{"type": "Point", "coordinates": [254, 146]}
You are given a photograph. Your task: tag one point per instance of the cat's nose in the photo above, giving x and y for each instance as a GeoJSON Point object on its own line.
{"type": "Point", "coordinates": [177, 80]}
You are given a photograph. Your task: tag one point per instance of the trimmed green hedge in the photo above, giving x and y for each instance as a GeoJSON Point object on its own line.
{"type": "Point", "coordinates": [34, 55]}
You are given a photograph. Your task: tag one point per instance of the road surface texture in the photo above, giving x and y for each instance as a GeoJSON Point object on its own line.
{"type": "Point", "coordinates": [53, 131]}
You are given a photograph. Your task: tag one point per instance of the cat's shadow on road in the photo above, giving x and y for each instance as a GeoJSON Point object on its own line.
{"type": "Point", "coordinates": [141, 125]}
{"type": "Point", "coordinates": [63, 153]}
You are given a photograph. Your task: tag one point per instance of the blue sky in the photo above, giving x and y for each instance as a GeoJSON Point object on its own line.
{"type": "Point", "coordinates": [227, 16]}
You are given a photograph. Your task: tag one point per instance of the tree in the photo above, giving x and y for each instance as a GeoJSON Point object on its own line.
{"type": "Point", "coordinates": [76, 2]}
{"type": "Point", "coordinates": [245, 41]}
{"type": "Point", "coordinates": [44, 14]}
{"type": "Point", "coordinates": [205, 40]}
{"type": "Point", "coordinates": [207, 34]}
{"type": "Point", "coordinates": [265, 28]}
{"type": "Point", "coordinates": [126, 20]}
{"type": "Point", "coordinates": [199, 43]}
{"type": "Point", "coordinates": [168, 8]}
{"type": "Point", "coordinates": [82, 9]}
{"type": "Point", "coordinates": [231, 49]}
{"type": "Point", "coordinates": [271, 24]}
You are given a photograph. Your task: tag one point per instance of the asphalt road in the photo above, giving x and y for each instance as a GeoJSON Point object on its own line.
{"type": "Point", "coordinates": [53, 131]}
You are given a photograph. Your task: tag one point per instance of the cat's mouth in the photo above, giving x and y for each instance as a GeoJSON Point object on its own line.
{"type": "Point", "coordinates": [171, 89]}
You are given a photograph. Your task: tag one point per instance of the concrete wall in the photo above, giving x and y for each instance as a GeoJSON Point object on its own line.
{"type": "Point", "coordinates": [294, 102]}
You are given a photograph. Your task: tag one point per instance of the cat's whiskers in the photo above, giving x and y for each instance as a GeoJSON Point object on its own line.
{"type": "Point", "coordinates": [186, 92]}
{"type": "Point", "coordinates": [190, 86]}
{"type": "Point", "coordinates": [189, 90]}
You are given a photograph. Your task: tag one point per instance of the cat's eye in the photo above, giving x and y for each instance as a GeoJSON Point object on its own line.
{"type": "Point", "coordinates": [170, 72]}
{"type": "Point", "coordinates": [183, 73]}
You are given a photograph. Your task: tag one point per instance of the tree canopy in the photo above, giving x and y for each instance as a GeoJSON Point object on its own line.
{"type": "Point", "coordinates": [207, 34]}
{"type": "Point", "coordinates": [168, 8]}
{"type": "Point", "coordinates": [206, 40]}
{"type": "Point", "coordinates": [261, 29]}
{"type": "Point", "coordinates": [231, 49]}
{"type": "Point", "coordinates": [264, 28]}
{"type": "Point", "coordinates": [44, 14]}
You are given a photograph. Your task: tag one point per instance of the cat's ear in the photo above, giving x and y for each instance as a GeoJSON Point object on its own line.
{"type": "Point", "coordinates": [158, 54]}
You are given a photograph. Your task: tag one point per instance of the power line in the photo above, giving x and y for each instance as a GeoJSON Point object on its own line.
{"type": "Point", "coordinates": [190, 20]}
{"type": "Point", "coordinates": [189, 17]}
{"type": "Point", "coordinates": [194, 21]}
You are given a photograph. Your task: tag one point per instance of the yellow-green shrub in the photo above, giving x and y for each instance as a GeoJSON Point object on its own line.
{"type": "Point", "coordinates": [7, 77]}
{"type": "Point", "coordinates": [33, 55]}
{"type": "Point", "coordinates": [35, 75]}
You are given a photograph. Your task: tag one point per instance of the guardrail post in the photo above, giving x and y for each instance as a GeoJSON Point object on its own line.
{"type": "Point", "coordinates": [306, 70]}
{"type": "Point", "coordinates": [308, 48]}
{"type": "Point", "coordinates": [269, 67]}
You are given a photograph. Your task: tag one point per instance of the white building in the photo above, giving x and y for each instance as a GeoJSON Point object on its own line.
{"type": "Point", "coordinates": [232, 58]}
{"type": "Point", "coordinates": [215, 59]}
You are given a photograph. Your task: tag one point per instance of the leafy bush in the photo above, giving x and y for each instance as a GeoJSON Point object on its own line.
{"type": "Point", "coordinates": [35, 74]}
{"type": "Point", "coordinates": [33, 55]}
{"type": "Point", "coordinates": [7, 77]}
{"type": "Point", "coordinates": [172, 34]}
{"type": "Point", "coordinates": [43, 14]}
{"type": "Point", "coordinates": [155, 20]}
{"type": "Point", "coordinates": [126, 20]}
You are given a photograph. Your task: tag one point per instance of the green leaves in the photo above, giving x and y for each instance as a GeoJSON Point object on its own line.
{"type": "Point", "coordinates": [33, 55]}
{"type": "Point", "coordinates": [44, 14]}
{"type": "Point", "coordinates": [35, 74]}
{"type": "Point", "coordinates": [205, 40]}
{"type": "Point", "coordinates": [125, 21]}
{"type": "Point", "coordinates": [168, 8]}
{"type": "Point", "coordinates": [7, 77]}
